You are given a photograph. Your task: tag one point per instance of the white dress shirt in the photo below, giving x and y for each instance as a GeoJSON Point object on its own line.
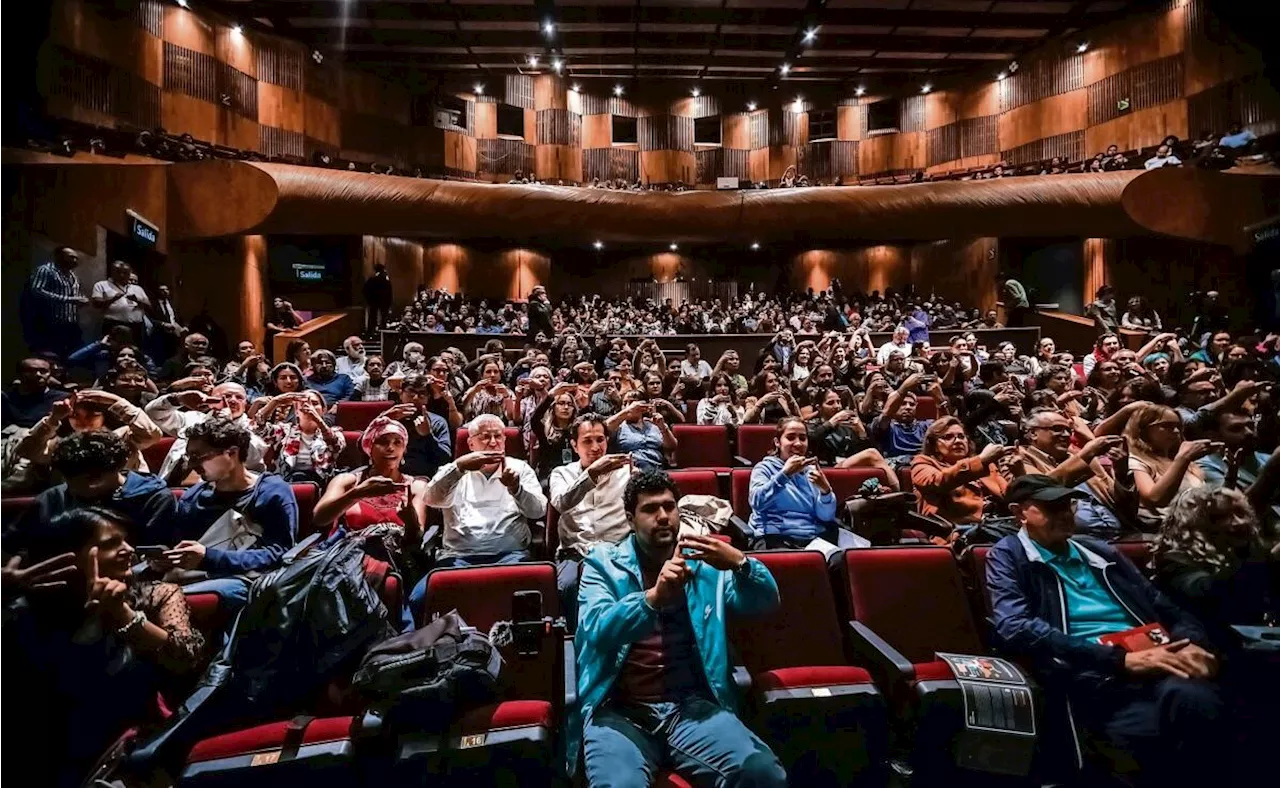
{"type": "Point", "coordinates": [122, 309]}
{"type": "Point", "coordinates": [590, 514]}
{"type": "Point", "coordinates": [175, 423]}
{"type": "Point", "coordinates": [352, 369]}
{"type": "Point", "coordinates": [882, 355]}
{"type": "Point", "coordinates": [482, 517]}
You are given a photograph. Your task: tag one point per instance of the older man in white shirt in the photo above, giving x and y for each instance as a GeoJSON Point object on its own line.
{"type": "Point", "coordinates": [899, 343]}
{"type": "Point", "coordinates": [227, 400]}
{"type": "Point", "coordinates": [588, 496]}
{"type": "Point", "coordinates": [353, 359]}
{"type": "Point", "coordinates": [487, 499]}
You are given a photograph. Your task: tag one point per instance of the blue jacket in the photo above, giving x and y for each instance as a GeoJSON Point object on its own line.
{"type": "Point", "coordinates": [338, 388]}
{"type": "Point", "coordinates": [789, 506]}
{"type": "Point", "coordinates": [270, 503]}
{"type": "Point", "coordinates": [613, 614]}
{"type": "Point", "coordinates": [1029, 610]}
{"type": "Point", "coordinates": [143, 499]}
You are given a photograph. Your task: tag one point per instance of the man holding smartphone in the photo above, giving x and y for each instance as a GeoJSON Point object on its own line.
{"type": "Point", "coordinates": [655, 679]}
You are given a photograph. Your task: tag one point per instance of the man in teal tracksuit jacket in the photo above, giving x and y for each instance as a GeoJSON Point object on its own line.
{"type": "Point", "coordinates": [655, 685]}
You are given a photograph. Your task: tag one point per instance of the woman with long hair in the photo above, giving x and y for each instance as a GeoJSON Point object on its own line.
{"type": "Point", "coordinates": [284, 379]}
{"type": "Point", "coordinates": [298, 353]}
{"type": "Point", "coordinates": [89, 645]}
{"type": "Point", "coordinates": [1103, 348]}
{"type": "Point", "coordinates": [305, 447]}
{"type": "Point", "coordinates": [838, 437]}
{"type": "Point", "coordinates": [641, 431]}
{"type": "Point", "coordinates": [772, 401]}
{"type": "Point", "coordinates": [1213, 562]}
{"type": "Point", "coordinates": [489, 395]}
{"type": "Point", "coordinates": [720, 406]}
{"type": "Point", "coordinates": [652, 387]}
{"type": "Point", "coordinates": [380, 492]}
{"type": "Point", "coordinates": [1163, 464]}
{"type": "Point", "coordinates": [550, 427]}
{"type": "Point", "coordinates": [953, 483]}
{"type": "Point", "coordinates": [800, 364]}
{"type": "Point", "coordinates": [791, 499]}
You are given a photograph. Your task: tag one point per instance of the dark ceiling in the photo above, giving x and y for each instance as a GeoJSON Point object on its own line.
{"type": "Point", "coordinates": [877, 43]}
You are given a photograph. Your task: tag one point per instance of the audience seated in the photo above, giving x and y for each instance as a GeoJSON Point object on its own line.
{"type": "Point", "coordinates": [226, 400]}
{"type": "Point", "coordinates": [234, 523]}
{"type": "Point", "coordinates": [1054, 594]}
{"type": "Point", "coordinates": [487, 499]}
{"type": "Point", "coordinates": [791, 500]}
{"type": "Point", "coordinates": [430, 436]}
{"type": "Point", "coordinates": [671, 699]}
{"type": "Point", "coordinates": [77, 622]}
{"type": "Point", "coordinates": [326, 380]}
{"type": "Point", "coordinates": [1163, 464]}
{"type": "Point", "coordinates": [305, 447]}
{"type": "Point", "coordinates": [900, 433]}
{"type": "Point", "coordinates": [641, 431]}
{"type": "Point", "coordinates": [953, 484]}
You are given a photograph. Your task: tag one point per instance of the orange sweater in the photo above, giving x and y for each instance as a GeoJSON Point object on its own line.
{"type": "Point", "coordinates": [956, 493]}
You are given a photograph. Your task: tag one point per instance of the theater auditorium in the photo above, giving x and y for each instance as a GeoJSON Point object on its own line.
{"type": "Point", "coordinates": [630, 393]}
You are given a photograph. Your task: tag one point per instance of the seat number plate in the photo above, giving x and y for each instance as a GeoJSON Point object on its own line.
{"type": "Point", "coordinates": [821, 692]}
{"type": "Point", "coordinates": [474, 740]}
{"type": "Point", "coordinates": [265, 758]}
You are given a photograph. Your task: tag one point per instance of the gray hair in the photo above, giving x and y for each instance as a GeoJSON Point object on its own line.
{"type": "Point", "coordinates": [483, 419]}
{"type": "Point", "coordinates": [1191, 526]}
{"type": "Point", "coordinates": [322, 353]}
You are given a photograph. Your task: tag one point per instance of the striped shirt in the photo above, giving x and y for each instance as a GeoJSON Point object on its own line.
{"type": "Point", "coordinates": [58, 289]}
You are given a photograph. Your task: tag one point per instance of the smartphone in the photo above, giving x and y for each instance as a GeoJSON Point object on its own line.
{"type": "Point", "coordinates": [526, 622]}
{"type": "Point", "coordinates": [928, 380]}
{"type": "Point", "coordinates": [148, 552]}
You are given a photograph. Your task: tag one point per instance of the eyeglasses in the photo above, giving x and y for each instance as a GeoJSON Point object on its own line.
{"type": "Point", "coordinates": [1061, 429]}
{"type": "Point", "coordinates": [200, 459]}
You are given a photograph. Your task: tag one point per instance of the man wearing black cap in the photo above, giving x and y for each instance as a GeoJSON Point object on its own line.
{"type": "Point", "coordinates": [1054, 594]}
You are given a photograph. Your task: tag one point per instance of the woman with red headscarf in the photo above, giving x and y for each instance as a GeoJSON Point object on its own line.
{"type": "Point", "coordinates": [378, 493]}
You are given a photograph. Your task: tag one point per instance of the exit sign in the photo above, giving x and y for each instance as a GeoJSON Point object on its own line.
{"type": "Point", "coordinates": [142, 231]}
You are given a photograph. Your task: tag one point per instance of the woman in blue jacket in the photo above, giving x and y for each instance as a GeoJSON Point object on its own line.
{"type": "Point", "coordinates": [791, 500]}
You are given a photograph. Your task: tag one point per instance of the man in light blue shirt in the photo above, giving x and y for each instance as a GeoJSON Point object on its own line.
{"type": "Point", "coordinates": [1257, 475]}
{"type": "Point", "coordinates": [1238, 138]}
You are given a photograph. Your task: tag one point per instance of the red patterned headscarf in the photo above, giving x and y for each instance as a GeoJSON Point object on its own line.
{"type": "Point", "coordinates": [379, 427]}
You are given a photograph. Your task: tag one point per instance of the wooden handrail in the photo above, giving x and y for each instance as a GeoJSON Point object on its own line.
{"type": "Point", "coordinates": [323, 331]}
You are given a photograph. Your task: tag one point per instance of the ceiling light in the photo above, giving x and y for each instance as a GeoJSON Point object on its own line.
{"type": "Point", "coordinates": [859, 91]}
{"type": "Point", "coordinates": [598, 245]}
{"type": "Point", "coordinates": [798, 106]}
{"type": "Point", "coordinates": [533, 61]}
{"type": "Point", "coordinates": [926, 88]}
{"type": "Point", "coordinates": [810, 34]}
{"type": "Point", "coordinates": [1082, 46]}
{"type": "Point", "coordinates": [183, 3]}
{"type": "Point", "coordinates": [557, 64]}
{"type": "Point", "coordinates": [1000, 77]}
{"type": "Point", "coordinates": [696, 92]}
{"type": "Point", "coordinates": [549, 28]}
{"type": "Point", "coordinates": [785, 68]}
{"type": "Point", "coordinates": [755, 246]}
{"type": "Point", "coordinates": [317, 56]}
{"type": "Point", "coordinates": [479, 89]}
{"type": "Point", "coordinates": [576, 88]}
{"type": "Point", "coordinates": [673, 247]}
{"type": "Point", "coordinates": [617, 90]}
{"type": "Point", "coordinates": [751, 106]}
{"type": "Point", "coordinates": [236, 30]}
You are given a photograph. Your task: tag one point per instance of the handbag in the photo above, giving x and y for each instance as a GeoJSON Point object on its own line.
{"type": "Point", "coordinates": [232, 532]}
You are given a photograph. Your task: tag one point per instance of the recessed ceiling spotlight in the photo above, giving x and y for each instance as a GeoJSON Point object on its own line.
{"type": "Point", "coordinates": [1082, 46]}
{"type": "Point", "coordinates": [533, 61]}
{"type": "Point", "coordinates": [926, 88]}
{"type": "Point", "coordinates": [576, 88]}
{"type": "Point", "coordinates": [479, 89]}
{"type": "Point", "coordinates": [798, 106]}
{"type": "Point", "coordinates": [558, 65]}
{"type": "Point", "coordinates": [859, 91]}
{"type": "Point", "coordinates": [237, 30]}
{"type": "Point", "coordinates": [598, 245]}
{"type": "Point", "coordinates": [751, 106]}
{"type": "Point", "coordinates": [673, 247]}
{"type": "Point", "coordinates": [1000, 77]}
{"type": "Point", "coordinates": [755, 246]}
{"type": "Point", "coordinates": [183, 3]}
{"type": "Point", "coordinates": [549, 28]}
{"type": "Point", "coordinates": [696, 92]}
{"type": "Point", "coordinates": [786, 67]}
{"type": "Point", "coordinates": [810, 34]}
{"type": "Point", "coordinates": [617, 90]}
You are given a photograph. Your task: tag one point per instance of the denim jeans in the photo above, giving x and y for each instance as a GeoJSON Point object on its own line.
{"type": "Point", "coordinates": [419, 593]}
{"type": "Point", "coordinates": [626, 746]}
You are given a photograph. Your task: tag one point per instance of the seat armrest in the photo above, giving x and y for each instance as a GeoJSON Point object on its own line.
{"type": "Point", "coordinates": [742, 679]}
{"type": "Point", "coordinates": [738, 531]}
{"type": "Point", "coordinates": [929, 525]}
{"type": "Point", "coordinates": [570, 658]}
{"type": "Point", "coordinates": [883, 659]}
{"type": "Point", "coordinates": [743, 462]}
{"type": "Point", "coordinates": [301, 548]}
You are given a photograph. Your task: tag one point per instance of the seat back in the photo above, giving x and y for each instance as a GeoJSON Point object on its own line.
{"type": "Point", "coordinates": [755, 441]}
{"type": "Point", "coordinates": [804, 630]}
{"type": "Point", "coordinates": [696, 482]}
{"type": "Point", "coordinates": [307, 496]}
{"type": "Point", "coordinates": [1138, 552]}
{"type": "Point", "coordinates": [913, 597]}
{"type": "Point", "coordinates": [515, 443]}
{"type": "Point", "coordinates": [482, 595]}
{"type": "Point", "coordinates": [358, 415]}
{"type": "Point", "coordinates": [352, 455]}
{"type": "Point", "coordinates": [702, 446]}
{"type": "Point", "coordinates": [926, 407]}
{"type": "Point", "coordinates": [846, 481]}
{"type": "Point", "coordinates": [740, 492]}
{"type": "Point", "coordinates": [156, 452]}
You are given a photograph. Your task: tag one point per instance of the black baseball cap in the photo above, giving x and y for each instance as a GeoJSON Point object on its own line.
{"type": "Point", "coordinates": [1038, 487]}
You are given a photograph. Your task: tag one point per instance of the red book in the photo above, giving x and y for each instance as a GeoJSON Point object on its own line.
{"type": "Point", "coordinates": [1138, 638]}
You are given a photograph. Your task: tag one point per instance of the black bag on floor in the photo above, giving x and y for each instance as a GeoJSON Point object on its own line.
{"type": "Point", "coordinates": [426, 677]}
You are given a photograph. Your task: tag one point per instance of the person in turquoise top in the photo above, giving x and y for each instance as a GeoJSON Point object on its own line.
{"type": "Point", "coordinates": [791, 500]}
{"type": "Point", "coordinates": [655, 682]}
{"type": "Point", "coordinates": [1091, 609]}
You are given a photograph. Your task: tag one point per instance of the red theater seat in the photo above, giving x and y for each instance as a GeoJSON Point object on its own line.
{"type": "Point", "coordinates": [307, 495]}
{"type": "Point", "coordinates": [740, 492]}
{"type": "Point", "coordinates": [845, 482]}
{"type": "Point", "coordinates": [156, 452]}
{"type": "Point", "coordinates": [515, 443]}
{"type": "Point", "coordinates": [809, 700]}
{"type": "Point", "coordinates": [702, 446]}
{"type": "Point", "coordinates": [1138, 552]}
{"type": "Point", "coordinates": [358, 415]}
{"type": "Point", "coordinates": [697, 482]}
{"type": "Point", "coordinates": [520, 730]}
{"type": "Point", "coordinates": [352, 455]}
{"type": "Point", "coordinates": [755, 441]}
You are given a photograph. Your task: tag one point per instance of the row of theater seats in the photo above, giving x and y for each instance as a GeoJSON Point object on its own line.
{"type": "Point", "coordinates": [836, 678]}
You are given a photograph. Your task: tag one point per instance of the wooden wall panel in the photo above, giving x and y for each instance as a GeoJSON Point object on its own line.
{"type": "Point", "coordinates": [1141, 87]}
{"type": "Point", "coordinates": [759, 164]}
{"type": "Point", "coordinates": [848, 122]}
{"type": "Point", "coordinates": [667, 166]}
{"type": "Point", "coordinates": [1040, 79]}
{"type": "Point", "coordinates": [321, 121]}
{"type": "Point", "coordinates": [964, 163]}
{"type": "Point", "coordinates": [189, 115]}
{"type": "Point", "coordinates": [597, 131]}
{"type": "Point", "coordinates": [486, 120]}
{"type": "Point", "coordinates": [1049, 117]}
{"type": "Point", "coordinates": [187, 29]}
{"type": "Point", "coordinates": [961, 270]}
{"type": "Point", "coordinates": [735, 131]}
{"type": "Point", "coordinates": [459, 152]}
{"type": "Point", "coordinates": [1253, 101]}
{"type": "Point", "coordinates": [404, 261]}
{"type": "Point", "coordinates": [281, 107]}
{"type": "Point", "coordinates": [1069, 146]}
{"type": "Point", "coordinates": [517, 90]}
{"type": "Point", "coordinates": [869, 268]}
{"type": "Point", "coordinates": [236, 130]}
{"type": "Point", "coordinates": [531, 126]}
{"type": "Point", "coordinates": [759, 129]}
{"type": "Point", "coordinates": [1132, 42]}
{"type": "Point", "coordinates": [1138, 129]}
{"type": "Point", "coordinates": [558, 162]}
{"type": "Point", "coordinates": [610, 163]}
{"type": "Point", "coordinates": [549, 92]}
{"type": "Point", "coordinates": [236, 50]}
{"type": "Point", "coordinates": [893, 153]}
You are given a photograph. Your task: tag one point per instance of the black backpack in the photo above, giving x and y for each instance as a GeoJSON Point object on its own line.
{"type": "Point", "coordinates": [427, 676]}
